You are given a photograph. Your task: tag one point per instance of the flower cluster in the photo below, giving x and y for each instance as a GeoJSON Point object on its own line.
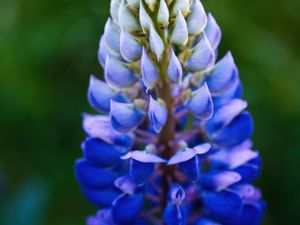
{"type": "Point", "coordinates": [171, 143]}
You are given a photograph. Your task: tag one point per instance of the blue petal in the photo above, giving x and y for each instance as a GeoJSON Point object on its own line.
{"type": "Point", "coordinates": [156, 43]}
{"type": "Point", "coordinates": [126, 208]}
{"type": "Point", "coordinates": [175, 215]}
{"type": "Point", "coordinates": [141, 165]}
{"type": "Point", "coordinates": [235, 91]}
{"type": "Point", "coordinates": [99, 126]}
{"type": "Point", "coordinates": [101, 153]}
{"type": "Point", "coordinates": [250, 171]}
{"type": "Point", "coordinates": [92, 176]}
{"type": "Point", "coordinates": [200, 104]}
{"type": "Point", "coordinates": [250, 215]}
{"type": "Point", "coordinates": [149, 72]}
{"type": "Point", "coordinates": [197, 18]}
{"type": "Point", "coordinates": [182, 156]}
{"type": "Point", "coordinates": [225, 206]}
{"type": "Point", "coordinates": [112, 36]}
{"type": "Point", "coordinates": [130, 49]}
{"type": "Point", "coordinates": [126, 185]}
{"type": "Point", "coordinates": [203, 57]}
{"type": "Point", "coordinates": [102, 52]}
{"type": "Point", "coordinates": [158, 114]}
{"type": "Point", "coordinates": [213, 32]}
{"type": "Point", "coordinates": [239, 130]}
{"type": "Point", "coordinates": [219, 180]}
{"type": "Point", "coordinates": [100, 94]}
{"type": "Point", "coordinates": [126, 19]}
{"type": "Point", "coordinates": [223, 76]}
{"type": "Point", "coordinates": [125, 117]}
{"type": "Point", "coordinates": [191, 168]}
{"type": "Point", "coordinates": [249, 193]}
{"type": "Point", "coordinates": [180, 32]}
{"type": "Point", "coordinates": [118, 75]}
{"type": "Point", "coordinates": [174, 71]}
{"type": "Point", "coordinates": [206, 222]}
{"type": "Point", "coordinates": [225, 114]}
{"type": "Point", "coordinates": [100, 198]}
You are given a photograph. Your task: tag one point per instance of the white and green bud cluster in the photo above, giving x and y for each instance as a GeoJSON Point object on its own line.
{"type": "Point", "coordinates": [157, 41]}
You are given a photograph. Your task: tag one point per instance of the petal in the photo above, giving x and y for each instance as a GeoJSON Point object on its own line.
{"type": "Point", "coordinates": [102, 52]}
{"type": "Point", "coordinates": [240, 156]}
{"type": "Point", "coordinates": [182, 156]}
{"type": "Point", "coordinates": [200, 103]}
{"type": "Point", "coordinates": [250, 171]}
{"type": "Point", "coordinates": [100, 127]}
{"type": "Point", "coordinates": [163, 13]}
{"type": "Point", "coordinates": [239, 130]}
{"type": "Point", "coordinates": [202, 57]}
{"type": "Point", "coordinates": [174, 71]}
{"type": "Point", "coordinates": [145, 19]}
{"type": "Point", "coordinates": [100, 198]}
{"type": "Point", "coordinates": [213, 32]}
{"type": "Point", "coordinates": [101, 153]}
{"type": "Point", "coordinates": [118, 75]}
{"type": "Point", "coordinates": [224, 206]}
{"type": "Point", "coordinates": [249, 193]}
{"type": "Point", "coordinates": [223, 76]}
{"type": "Point", "coordinates": [114, 10]}
{"type": "Point", "coordinates": [181, 5]}
{"type": "Point", "coordinates": [180, 32]}
{"type": "Point", "coordinates": [197, 18]}
{"type": "Point", "coordinates": [125, 117]}
{"type": "Point", "coordinates": [130, 49]}
{"type": "Point", "coordinates": [139, 171]}
{"type": "Point", "coordinates": [202, 148]}
{"type": "Point", "coordinates": [92, 176]}
{"type": "Point", "coordinates": [126, 185]}
{"type": "Point", "coordinates": [219, 180]}
{"type": "Point", "coordinates": [100, 94]}
{"type": "Point", "coordinates": [206, 222]}
{"type": "Point", "coordinates": [149, 72]}
{"type": "Point", "coordinates": [235, 92]}
{"type": "Point", "coordinates": [175, 215]}
{"type": "Point", "coordinates": [156, 43]}
{"type": "Point", "coordinates": [143, 156]}
{"type": "Point", "coordinates": [225, 114]}
{"type": "Point", "coordinates": [176, 194]}
{"type": "Point", "coordinates": [158, 114]}
{"type": "Point", "coordinates": [191, 168]}
{"type": "Point", "coordinates": [126, 208]}
{"type": "Point", "coordinates": [112, 36]}
{"type": "Point", "coordinates": [126, 19]}
{"type": "Point", "coordinates": [250, 215]}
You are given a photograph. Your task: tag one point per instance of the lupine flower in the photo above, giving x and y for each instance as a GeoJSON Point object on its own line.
{"type": "Point", "coordinates": [171, 141]}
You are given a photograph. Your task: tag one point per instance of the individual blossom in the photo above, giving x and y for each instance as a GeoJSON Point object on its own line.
{"type": "Point", "coordinates": [170, 142]}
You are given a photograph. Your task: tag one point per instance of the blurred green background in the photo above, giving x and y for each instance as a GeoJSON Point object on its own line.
{"type": "Point", "coordinates": [47, 51]}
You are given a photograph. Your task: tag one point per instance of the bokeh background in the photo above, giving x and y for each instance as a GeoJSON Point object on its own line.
{"type": "Point", "coordinates": [47, 51]}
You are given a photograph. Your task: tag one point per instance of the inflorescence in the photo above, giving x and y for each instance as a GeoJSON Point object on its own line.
{"type": "Point", "coordinates": [170, 144]}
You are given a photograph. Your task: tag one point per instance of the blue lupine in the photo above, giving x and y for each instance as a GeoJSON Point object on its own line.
{"type": "Point", "coordinates": [171, 144]}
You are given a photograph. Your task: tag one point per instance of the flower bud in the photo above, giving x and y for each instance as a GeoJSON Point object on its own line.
{"type": "Point", "coordinates": [130, 49]}
{"type": "Point", "coordinates": [114, 10]}
{"type": "Point", "coordinates": [125, 117]}
{"type": "Point", "coordinates": [163, 14]}
{"type": "Point", "coordinates": [112, 36]}
{"type": "Point", "coordinates": [174, 71]}
{"type": "Point", "coordinates": [202, 57]}
{"type": "Point", "coordinates": [180, 32]}
{"type": "Point", "coordinates": [200, 103]}
{"type": "Point", "coordinates": [182, 5]}
{"type": "Point", "coordinates": [156, 43]}
{"type": "Point", "coordinates": [118, 75]}
{"type": "Point", "coordinates": [197, 19]}
{"type": "Point", "coordinates": [149, 72]}
{"type": "Point", "coordinates": [158, 114]}
{"type": "Point", "coordinates": [213, 32]}
{"type": "Point", "coordinates": [145, 19]}
{"type": "Point", "coordinates": [126, 19]}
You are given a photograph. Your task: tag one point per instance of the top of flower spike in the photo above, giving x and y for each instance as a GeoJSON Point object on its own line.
{"type": "Point", "coordinates": [166, 96]}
